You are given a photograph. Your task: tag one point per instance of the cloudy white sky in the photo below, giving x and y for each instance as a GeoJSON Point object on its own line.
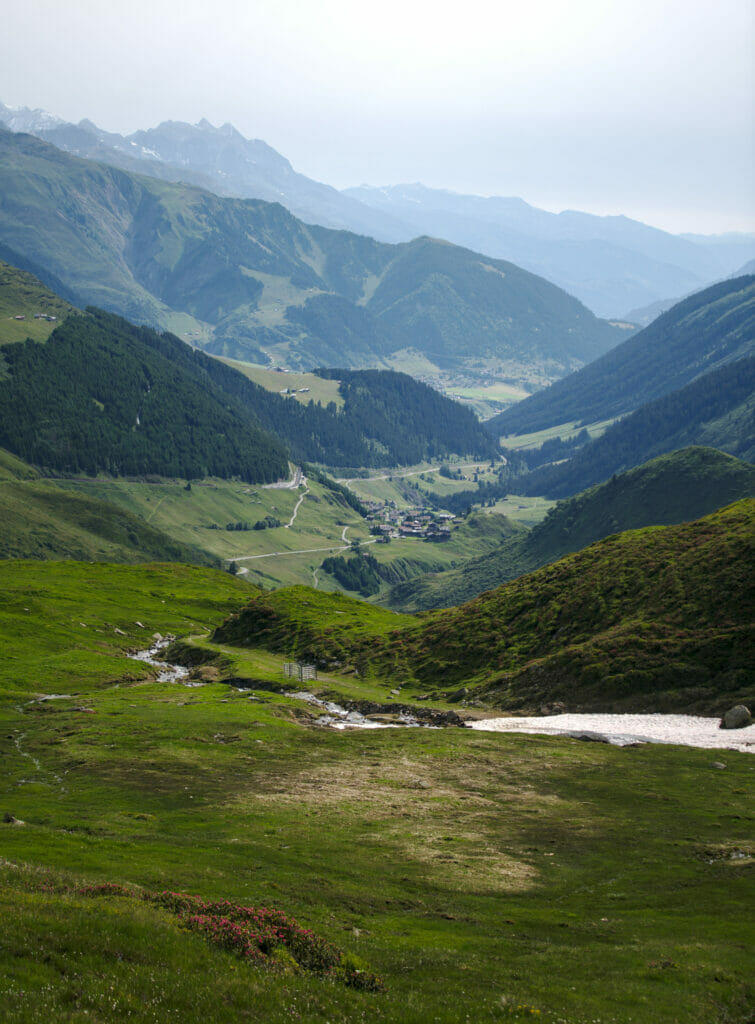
{"type": "Point", "coordinates": [643, 108]}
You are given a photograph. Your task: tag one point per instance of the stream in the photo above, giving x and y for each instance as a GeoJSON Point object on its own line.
{"type": "Point", "coordinates": [335, 716]}
{"type": "Point", "coordinates": [618, 730]}
{"type": "Point", "coordinates": [341, 718]}
{"type": "Point", "coordinates": [168, 673]}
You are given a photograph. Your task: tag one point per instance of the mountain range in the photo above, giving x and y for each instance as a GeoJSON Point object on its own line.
{"type": "Point", "coordinates": [612, 264]}
{"type": "Point", "coordinates": [246, 279]}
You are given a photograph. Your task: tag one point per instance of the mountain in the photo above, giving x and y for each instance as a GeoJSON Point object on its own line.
{"type": "Point", "coordinates": [673, 488]}
{"type": "Point", "coordinates": [220, 160]}
{"type": "Point", "coordinates": [610, 263]}
{"type": "Point", "coordinates": [717, 409]}
{"type": "Point", "coordinates": [250, 281]}
{"type": "Point", "coordinates": [646, 314]}
{"type": "Point", "coordinates": [703, 332]}
{"type": "Point", "coordinates": [658, 619]}
{"type": "Point", "coordinates": [40, 520]}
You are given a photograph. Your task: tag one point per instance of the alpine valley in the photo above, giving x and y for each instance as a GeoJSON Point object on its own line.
{"type": "Point", "coordinates": [298, 485]}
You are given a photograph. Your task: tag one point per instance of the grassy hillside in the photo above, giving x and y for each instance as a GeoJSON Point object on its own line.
{"type": "Point", "coordinates": [456, 864]}
{"type": "Point", "coordinates": [671, 489]}
{"type": "Point", "coordinates": [653, 619]}
{"type": "Point", "coordinates": [702, 333]}
{"type": "Point", "coordinates": [266, 284]}
{"type": "Point", "coordinates": [41, 520]}
{"type": "Point", "coordinates": [718, 407]}
{"type": "Point", "coordinates": [22, 295]}
{"type": "Point", "coordinates": [306, 387]}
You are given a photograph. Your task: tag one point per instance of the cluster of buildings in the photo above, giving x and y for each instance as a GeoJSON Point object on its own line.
{"type": "Point", "coordinates": [37, 316]}
{"type": "Point", "coordinates": [421, 523]}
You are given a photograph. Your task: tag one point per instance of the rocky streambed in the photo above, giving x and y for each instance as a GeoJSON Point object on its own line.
{"type": "Point", "coordinates": [350, 714]}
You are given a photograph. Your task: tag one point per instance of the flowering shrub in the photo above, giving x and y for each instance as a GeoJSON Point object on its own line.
{"type": "Point", "coordinates": [256, 934]}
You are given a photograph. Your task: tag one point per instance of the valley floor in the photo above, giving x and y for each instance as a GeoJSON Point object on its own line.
{"type": "Point", "coordinates": [483, 876]}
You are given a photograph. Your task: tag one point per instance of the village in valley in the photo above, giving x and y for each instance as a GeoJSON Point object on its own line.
{"type": "Point", "coordinates": [391, 523]}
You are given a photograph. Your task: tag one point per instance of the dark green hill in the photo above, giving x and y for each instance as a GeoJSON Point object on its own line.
{"type": "Point", "coordinates": [659, 619]}
{"type": "Point", "coordinates": [700, 334]}
{"type": "Point", "coordinates": [654, 619]}
{"type": "Point", "coordinates": [258, 282]}
{"type": "Point", "coordinates": [41, 520]}
{"type": "Point", "coordinates": [671, 489]}
{"type": "Point", "coordinates": [716, 409]}
{"type": "Point", "coordinates": [101, 396]}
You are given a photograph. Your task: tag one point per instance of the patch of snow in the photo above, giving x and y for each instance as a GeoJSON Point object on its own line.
{"type": "Point", "coordinates": [621, 730]}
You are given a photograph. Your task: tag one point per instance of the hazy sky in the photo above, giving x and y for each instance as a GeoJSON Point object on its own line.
{"type": "Point", "coordinates": [644, 108]}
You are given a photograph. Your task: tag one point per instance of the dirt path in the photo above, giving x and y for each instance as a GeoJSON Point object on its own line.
{"type": "Point", "coordinates": [412, 472]}
{"type": "Point", "coordinates": [296, 508]}
{"type": "Point", "coordinates": [157, 506]}
{"type": "Point", "coordinates": [299, 551]}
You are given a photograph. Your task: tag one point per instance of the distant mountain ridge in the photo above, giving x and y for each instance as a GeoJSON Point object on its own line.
{"type": "Point", "coordinates": [263, 286]}
{"type": "Point", "coordinates": [220, 160]}
{"type": "Point", "coordinates": [612, 264]}
{"type": "Point", "coordinates": [716, 409]}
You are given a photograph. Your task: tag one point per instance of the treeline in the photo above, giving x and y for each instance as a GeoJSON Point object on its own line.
{"type": "Point", "coordinates": [392, 411]}
{"type": "Point", "coordinates": [364, 574]}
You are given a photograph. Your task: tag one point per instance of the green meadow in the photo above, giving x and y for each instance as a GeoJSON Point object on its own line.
{"type": "Point", "coordinates": [482, 877]}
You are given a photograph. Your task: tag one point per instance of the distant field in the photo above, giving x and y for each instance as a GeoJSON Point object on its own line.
{"type": "Point", "coordinates": [528, 511]}
{"type": "Point", "coordinates": [22, 295]}
{"type": "Point", "coordinates": [272, 380]}
{"type": "Point", "coordinates": [392, 485]}
{"type": "Point", "coordinates": [488, 400]}
{"type": "Point", "coordinates": [188, 328]}
{"type": "Point", "coordinates": [563, 430]}
{"type": "Point", "coordinates": [200, 516]}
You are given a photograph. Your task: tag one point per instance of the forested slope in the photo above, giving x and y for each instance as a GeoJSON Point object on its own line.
{"type": "Point", "coordinates": [104, 396]}
{"type": "Point", "coordinates": [702, 333]}
{"type": "Point", "coordinates": [100, 397]}
{"type": "Point", "coordinates": [717, 408]}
